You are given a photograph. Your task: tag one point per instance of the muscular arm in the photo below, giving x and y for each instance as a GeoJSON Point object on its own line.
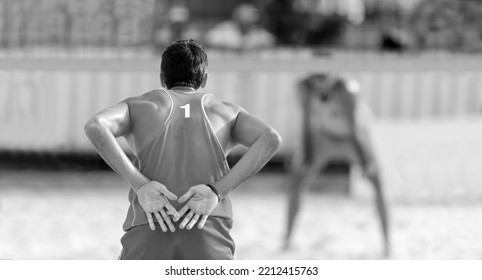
{"type": "Point", "coordinates": [263, 142]}
{"type": "Point", "coordinates": [102, 130]}
{"type": "Point", "coordinates": [363, 138]}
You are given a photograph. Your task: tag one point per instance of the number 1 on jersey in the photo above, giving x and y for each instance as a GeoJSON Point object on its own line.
{"type": "Point", "coordinates": [187, 110]}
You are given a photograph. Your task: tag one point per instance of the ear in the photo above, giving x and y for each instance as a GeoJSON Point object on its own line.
{"type": "Point", "coordinates": [205, 79]}
{"type": "Point", "coordinates": [163, 80]}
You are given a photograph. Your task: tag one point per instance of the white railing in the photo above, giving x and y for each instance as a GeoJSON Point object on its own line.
{"type": "Point", "coordinates": [45, 102]}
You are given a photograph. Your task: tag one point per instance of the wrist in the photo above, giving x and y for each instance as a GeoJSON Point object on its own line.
{"type": "Point", "coordinates": [215, 191]}
{"type": "Point", "coordinates": [139, 186]}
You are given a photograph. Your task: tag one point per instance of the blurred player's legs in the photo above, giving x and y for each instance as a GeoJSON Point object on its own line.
{"type": "Point", "coordinates": [294, 199]}
{"type": "Point", "coordinates": [301, 178]}
{"type": "Point", "coordinates": [371, 171]}
{"type": "Point", "coordinates": [375, 180]}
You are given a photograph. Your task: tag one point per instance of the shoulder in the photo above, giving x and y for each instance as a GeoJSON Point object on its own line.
{"type": "Point", "coordinates": [156, 99]}
{"type": "Point", "coordinates": [216, 105]}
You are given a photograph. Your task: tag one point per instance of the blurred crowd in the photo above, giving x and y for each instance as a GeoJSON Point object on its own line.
{"type": "Point", "coordinates": [269, 23]}
{"type": "Point", "coordinates": [393, 25]}
{"type": "Point", "coordinates": [448, 24]}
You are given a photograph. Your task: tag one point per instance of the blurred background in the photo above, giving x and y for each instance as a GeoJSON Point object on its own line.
{"type": "Point", "coordinates": [418, 64]}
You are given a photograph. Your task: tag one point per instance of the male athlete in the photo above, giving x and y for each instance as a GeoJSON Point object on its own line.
{"type": "Point", "coordinates": [180, 180]}
{"type": "Point", "coordinates": [335, 125]}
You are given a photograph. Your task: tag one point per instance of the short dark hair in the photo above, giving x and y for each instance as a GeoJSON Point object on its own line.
{"type": "Point", "coordinates": [184, 63]}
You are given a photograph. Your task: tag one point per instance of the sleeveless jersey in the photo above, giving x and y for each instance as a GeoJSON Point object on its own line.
{"type": "Point", "coordinates": [185, 153]}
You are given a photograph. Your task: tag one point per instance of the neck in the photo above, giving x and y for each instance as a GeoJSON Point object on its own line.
{"type": "Point", "coordinates": [184, 89]}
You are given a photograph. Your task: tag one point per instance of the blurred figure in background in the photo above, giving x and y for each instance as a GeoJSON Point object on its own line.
{"type": "Point", "coordinates": [286, 21]}
{"type": "Point", "coordinates": [313, 22]}
{"type": "Point", "coordinates": [336, 125]}
{"type": "Point", "coordinates": [241, 32]}
{"type": "Point", "coordinates": [448, 25]}
{"type": "Point", "coordinates": [394, 21]}
{"type": "Point", "coordinates": [175, 26]}
{"type": "Point", "coordinates": [329, 19]}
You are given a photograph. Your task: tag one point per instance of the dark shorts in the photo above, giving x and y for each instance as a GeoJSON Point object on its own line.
{"type": "Point", "coordinates": [212, 242]}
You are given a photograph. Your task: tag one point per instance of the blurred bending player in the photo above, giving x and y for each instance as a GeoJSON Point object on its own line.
{"type": "Point", "coordinates": [336, 124]}
{"type": "Point", "coordinates": [180, 180]}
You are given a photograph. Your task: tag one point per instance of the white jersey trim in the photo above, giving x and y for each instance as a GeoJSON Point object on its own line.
{"type": "Point", "coordinates": [172, 107]}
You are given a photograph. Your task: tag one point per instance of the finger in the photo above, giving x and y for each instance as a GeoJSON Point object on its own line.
{"type": "Point", "coordinates": [161, 222]}
{"type": "Point", "coordinates": [172, 211]}
{"type": "Point", "coordinates": [151, 222]}
{"type": "Point", "coordinates": [167, 194]}
{"type": "Point", "coordinates": [183, 211]}
{"type": "Point", "coordinates": [186, 196]}
{"type": "Point", "coordinates": [202, 221]}
{"type": "Point", "coordinates": [186, 219]}
{"type": "Point", "coordinates": [168, 221]}
{"type": "Point", "coordinates": [193, 221]}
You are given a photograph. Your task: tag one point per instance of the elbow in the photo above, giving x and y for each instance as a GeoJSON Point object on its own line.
{"type": "Point", "coordinates": [274, 139]}
{"type": "Point", "coordinates": [93, 127]}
